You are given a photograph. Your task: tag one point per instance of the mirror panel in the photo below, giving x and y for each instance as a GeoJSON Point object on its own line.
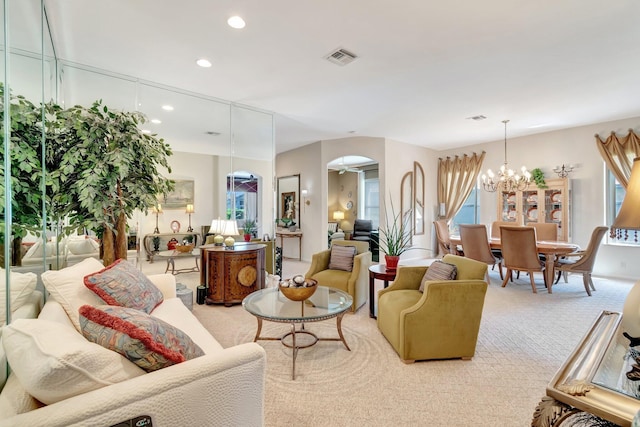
{"type": "Point", "coordinates": [288, 198]}
{"type": "Point", "coordinates": [406, 199]}
{"type": "Point", "coordinates": [418, 201]}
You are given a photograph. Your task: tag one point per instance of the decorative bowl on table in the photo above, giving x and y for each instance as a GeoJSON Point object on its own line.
{"type": "Point", "coordinates": [184, 248]}
{"type": "Point", "coordinates": [298, 288]}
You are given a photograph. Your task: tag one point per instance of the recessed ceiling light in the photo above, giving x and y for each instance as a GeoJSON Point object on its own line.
{"type": "Point", "coordinates": [236, 22]}
{"type": "Point", "coordinates": [204, 63]}
{"type": "Point", "coordinates": [146, 131]}
{"type": "Point", "coordinates": [167, 107]}
{"type": "Point", "coordinates": [156, 121]}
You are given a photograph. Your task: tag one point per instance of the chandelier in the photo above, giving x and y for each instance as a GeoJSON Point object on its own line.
{"type": "Point", "coordinates": [506, 179]}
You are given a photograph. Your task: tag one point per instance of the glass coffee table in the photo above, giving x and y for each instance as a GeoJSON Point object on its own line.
{"type": "Point", "coordinates": [171, 255]}
{"type": "Point", "coordinates": [326, 303]}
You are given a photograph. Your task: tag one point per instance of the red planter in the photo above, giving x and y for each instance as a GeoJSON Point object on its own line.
{"type": "Point", "coordinates": [391, 261]}
{"type": "Point", "coordinates": [247, 237]}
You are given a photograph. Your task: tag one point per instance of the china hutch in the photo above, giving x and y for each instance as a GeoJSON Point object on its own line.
{"type": "Point", "coordinates": [533, 204]}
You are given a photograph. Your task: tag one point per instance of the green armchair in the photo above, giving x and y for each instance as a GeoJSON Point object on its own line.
{"type": "Point", "coordinates": [354, 282]}
{"type": "Point", "coordinates": [441, 323]}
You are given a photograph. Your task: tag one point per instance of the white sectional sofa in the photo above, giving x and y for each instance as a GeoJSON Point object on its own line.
{"type": "Point", "coordinates": [224, 387]}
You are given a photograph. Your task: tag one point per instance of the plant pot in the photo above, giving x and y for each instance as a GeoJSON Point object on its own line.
{"type": "Point", "coordinates": [392, 262]}
{"type": "Point", "coordinates": [247, 237]}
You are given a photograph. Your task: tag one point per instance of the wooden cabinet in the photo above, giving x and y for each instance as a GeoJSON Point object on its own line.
{"type": "Point", "coordinates": [231, 274]}
{"type": "Point", "coordinates": [551, 204]}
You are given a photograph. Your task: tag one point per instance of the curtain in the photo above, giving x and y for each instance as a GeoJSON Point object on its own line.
{"type": "Point", "coordinates": [618, 154]}
{"type": "Point", "coordinates": [456, 178]}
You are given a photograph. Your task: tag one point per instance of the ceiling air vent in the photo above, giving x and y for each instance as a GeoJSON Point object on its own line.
{"type": "Point", "coordinates": [477, 118]}
{"type": "Point", "coordinates": [340, 57]}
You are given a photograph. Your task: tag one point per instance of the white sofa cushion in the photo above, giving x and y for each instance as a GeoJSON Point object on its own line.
{"type": "Point", "coordinates": [22, 286]}
{"type": "Point", "coordinates": [82, 246]}
{"type": "Point", "coordinates": [54, 362]}
{"type": "Point", "coordinates": [67, 287]}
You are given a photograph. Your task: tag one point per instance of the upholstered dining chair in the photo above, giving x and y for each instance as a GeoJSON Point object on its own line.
{"type": "Point", "coordinates": [546, 230]}
{"type": "Point", "coordinates": [584, 264]}
{"type": "Point", "coordinates": [495, 228]}
{"type": "Point", "coordinates": [353, 280]}
{"type": "Point", "coordinates": [475, 245]}
{"type": "Point", "coordinates": [442, 320]}
{"type": "Point", "coordinates": [521, 253]}
{"type": "Point", "coordinates": [443, 238]}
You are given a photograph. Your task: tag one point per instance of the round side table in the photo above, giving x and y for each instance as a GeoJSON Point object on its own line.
{"type": "Point", "coordinates": [378, 271]}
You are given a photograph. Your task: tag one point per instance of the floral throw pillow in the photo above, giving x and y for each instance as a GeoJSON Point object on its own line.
{"type": "Point", "coordinates": [124, 285]}
{"type": "Point", "coordinates": [145, 340]}
{"type": "Point", "coordinates": [439, 270]}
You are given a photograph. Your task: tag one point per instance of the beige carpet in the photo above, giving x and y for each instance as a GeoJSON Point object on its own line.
{"type": "Point", "coordinates": [524, 338]}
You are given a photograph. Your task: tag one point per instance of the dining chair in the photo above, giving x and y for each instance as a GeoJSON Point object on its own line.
{"type": "Point", "coordinates": [475, 245]}
{"type": "Point", "coordinates": [520, 253]}
{"type": "Point", "coordinates": [546, 230]}
{"type": "Point", "coordinates": [495, 228]}
{"type": "Point", "coordinates": [584, 264]}
{"type": "Point", "coordinates": [443, 238]}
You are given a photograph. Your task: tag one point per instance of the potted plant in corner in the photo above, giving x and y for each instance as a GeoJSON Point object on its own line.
{"type": "Point", "coordinates": [249, 229]}
{"type": "Point", "coordinates": [395, 238]}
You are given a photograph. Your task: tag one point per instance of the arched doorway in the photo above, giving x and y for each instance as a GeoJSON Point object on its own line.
{"type": "Point", "coordinates": [353, 192]}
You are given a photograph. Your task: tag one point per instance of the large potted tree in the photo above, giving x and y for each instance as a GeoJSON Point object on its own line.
{"type": "Point", "coordinates": [26, 173]}
{"type": "Point", "coordinates": [103, 169]}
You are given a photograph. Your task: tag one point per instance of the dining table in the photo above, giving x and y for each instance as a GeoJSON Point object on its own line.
{"type": "Point", "coordinates": [551, 249]}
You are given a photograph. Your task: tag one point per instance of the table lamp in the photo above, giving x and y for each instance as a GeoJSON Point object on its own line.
{"type": "Point", "coordinates": [629, 219]}
{"type": "Point", "coordinates": [230, 229]}
{"type": "Point", "coordinates": [338, 216]}
{"type": "Point", "coordinates": [217, 229]}
{"type": "Point", "coordinates": [189, 210]}
{"type": "Point", "coordinates": [157, 209]}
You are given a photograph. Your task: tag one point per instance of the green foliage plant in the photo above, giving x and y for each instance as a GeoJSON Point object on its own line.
{"type": "Point", "coordinates": [249, 226]}
{"type": "Point", "coordinates": [395, 237]}
{"type": "Point", "coordinates": [103, 169]}
{"type": "Point", "coordinates": [538, 177]}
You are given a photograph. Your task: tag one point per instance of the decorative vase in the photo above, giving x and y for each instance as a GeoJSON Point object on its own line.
{"type": "Point", "coordinates": [247, 237]}
{"type": "Point", "coordinates": [391, 261]}
{"type": "Point", "coordinates": [229, 242]}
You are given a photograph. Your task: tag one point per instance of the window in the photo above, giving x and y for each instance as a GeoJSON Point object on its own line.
{"type": "Point", "coordinates": [370, 200]}
{"type": "Point", "coordinates": [469, 213]}
{"type": "Point", "coordinates": [615, 194]}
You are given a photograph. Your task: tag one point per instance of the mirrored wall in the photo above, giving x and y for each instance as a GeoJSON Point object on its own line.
{"type": "Point", "coordinates": [211, 139]}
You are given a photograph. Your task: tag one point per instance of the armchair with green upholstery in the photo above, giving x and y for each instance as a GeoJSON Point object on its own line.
{"type": "Point", "coordinates": [354, 282]}
{"type": "Point", "coordinates": [441, 323]}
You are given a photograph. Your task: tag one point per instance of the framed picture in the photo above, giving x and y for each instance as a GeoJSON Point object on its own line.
{"type": "Point", "coordinates": [180, 197]}
{"type": "Point", "coordinates": [288, 208]}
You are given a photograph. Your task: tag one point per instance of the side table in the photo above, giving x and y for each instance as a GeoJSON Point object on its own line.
{"type": "Point", "coordinates": [378, 271]}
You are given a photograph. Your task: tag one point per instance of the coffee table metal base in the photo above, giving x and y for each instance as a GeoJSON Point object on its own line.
{"type": "Point", "coordinates": [294, 345]}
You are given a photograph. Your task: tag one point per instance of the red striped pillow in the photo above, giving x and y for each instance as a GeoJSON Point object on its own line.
{"type": "Point", "coordinates": [342, 257]}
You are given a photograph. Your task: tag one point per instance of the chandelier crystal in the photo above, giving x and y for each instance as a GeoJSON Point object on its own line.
{"type": "Point", "coordinates": [506, 179]}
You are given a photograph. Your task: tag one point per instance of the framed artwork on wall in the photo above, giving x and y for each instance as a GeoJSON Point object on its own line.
{"type": "Point", "coordinates": [288, 207]}
{"type": "Point", "coordinates": [180, 197]}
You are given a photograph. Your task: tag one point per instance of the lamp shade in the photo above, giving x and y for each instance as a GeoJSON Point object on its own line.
{"type": "Point", "coordinates": [338, 215]}
{"type": "Point", "coordinates": [629, 215]}
{"type": "Point", "coordinates": [217, 226]}
{"type": "Point", "coordinates": [230, 228]}
{"type": "Point", "coordinates": [189, 209]}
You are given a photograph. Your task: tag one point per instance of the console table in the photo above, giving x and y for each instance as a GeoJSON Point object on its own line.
{"type": "Point", "coordinates": [147, 242]}
{"type": "Point", "coordinates": [286, 234]}
{"type": "Point", "coordinates": [231, 274]}
{"type": "Point", "coordinates": [593, 379]}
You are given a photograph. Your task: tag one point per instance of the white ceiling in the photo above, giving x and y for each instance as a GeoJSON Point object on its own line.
{"type": "Point", "coordinates": [424, 66]}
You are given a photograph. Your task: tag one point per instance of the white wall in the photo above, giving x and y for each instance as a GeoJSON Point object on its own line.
{"type": "Point", "coordinates": [394, 160]}
{"type": "Point", "coordinates": [200, 169]}
{"type": "Point", "coordinates": [575, 146]}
